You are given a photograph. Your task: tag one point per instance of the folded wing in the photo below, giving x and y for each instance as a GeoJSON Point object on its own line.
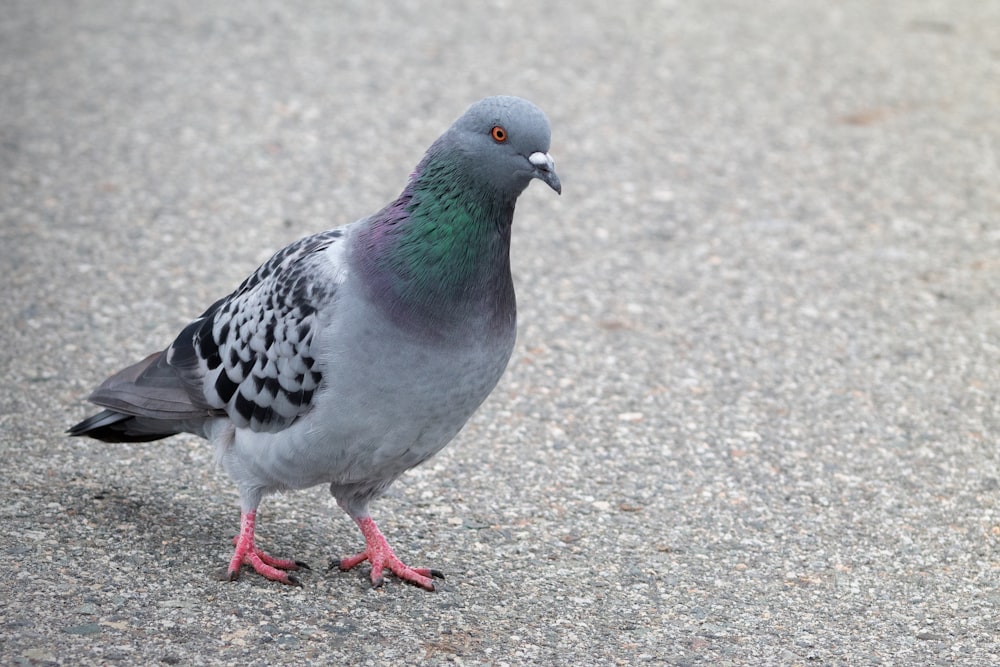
{"type": "Point", "coordinates": [249, 357]}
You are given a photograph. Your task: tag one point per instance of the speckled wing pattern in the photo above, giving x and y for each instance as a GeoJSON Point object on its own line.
{"type": "Point", "coordinates": [251, 353]}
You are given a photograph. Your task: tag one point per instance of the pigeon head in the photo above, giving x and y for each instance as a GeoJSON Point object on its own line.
{"type": "Point", "coordinates": [503, 142]}
{"type": "Point", "coordinates": [437, 258]}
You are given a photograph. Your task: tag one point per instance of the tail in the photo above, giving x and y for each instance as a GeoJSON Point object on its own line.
{"type": "Point", "coordinates": [147, 401]}
{"type": "Point", "coordinates": [111, 426]}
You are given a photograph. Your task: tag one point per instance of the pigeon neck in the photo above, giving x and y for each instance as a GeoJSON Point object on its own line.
{"type": "Point", "coordinates": [439, 256]}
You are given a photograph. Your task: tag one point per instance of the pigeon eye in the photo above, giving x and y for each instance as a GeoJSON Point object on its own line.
{"type": "Point", "coordinates": [499, 134]}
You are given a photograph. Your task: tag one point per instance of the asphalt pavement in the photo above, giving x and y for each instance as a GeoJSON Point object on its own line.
{"type": "Point", "coordinates": [753, 412]}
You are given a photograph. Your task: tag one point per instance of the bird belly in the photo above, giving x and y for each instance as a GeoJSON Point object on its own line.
{"type": "Point", "coordinates": [387, 402]}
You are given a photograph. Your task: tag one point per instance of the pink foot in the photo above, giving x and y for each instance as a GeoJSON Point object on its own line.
{"type": "Point", "coordinates": [247, 553]}
{"type": "Point", "coordinates": [380, 555]}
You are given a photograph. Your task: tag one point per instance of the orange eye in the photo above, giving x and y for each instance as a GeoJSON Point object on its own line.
{"type": "Point", "coordinates": [499, 134]}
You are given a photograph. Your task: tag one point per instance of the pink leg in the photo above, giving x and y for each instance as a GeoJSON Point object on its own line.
{"type": "Point", "coordinates": [247, 553]}
{"type": "Point", "coordinates": [380, 555]}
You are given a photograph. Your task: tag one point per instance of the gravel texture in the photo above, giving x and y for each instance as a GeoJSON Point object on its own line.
{"type": "Point", "coordinates": [752, 416]}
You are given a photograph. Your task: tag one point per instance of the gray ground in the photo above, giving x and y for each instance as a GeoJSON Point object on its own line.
{"type": "Point", "coordinates": [753, 411]}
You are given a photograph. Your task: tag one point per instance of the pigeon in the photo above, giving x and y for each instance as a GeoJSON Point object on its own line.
{"type": "Point", "coordinates": [357, 353]}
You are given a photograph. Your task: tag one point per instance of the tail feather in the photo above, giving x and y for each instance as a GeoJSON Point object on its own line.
{"type": "Point", "coordinates": [111, 426]}
{"type": "Point", "coordinates": [146, 401]}
{"type": "Point", "coordinates": [151, 388]}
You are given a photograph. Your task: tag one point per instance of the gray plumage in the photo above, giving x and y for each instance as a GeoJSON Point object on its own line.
{"type": "Point", "coordinates": [354, 354]}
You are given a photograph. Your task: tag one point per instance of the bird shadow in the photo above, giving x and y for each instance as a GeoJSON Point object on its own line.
{"type": "Point", "coordinates": [142, 524]}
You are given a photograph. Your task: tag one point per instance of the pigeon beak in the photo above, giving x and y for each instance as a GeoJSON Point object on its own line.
{"type": "Point", "coordinates": [545, 170]}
